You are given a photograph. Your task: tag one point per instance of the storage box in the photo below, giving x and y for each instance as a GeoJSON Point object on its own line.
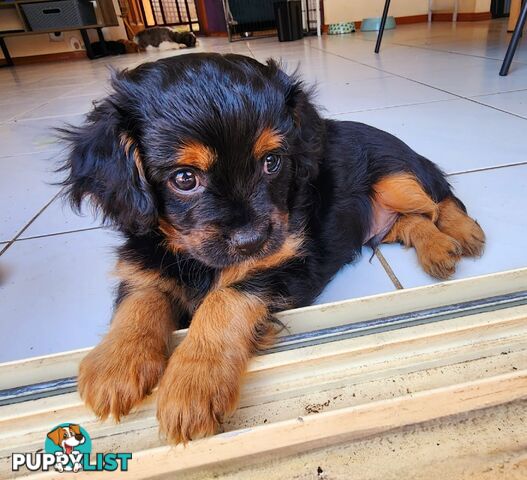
{"type": "Point", "coordinates": [59, 14]}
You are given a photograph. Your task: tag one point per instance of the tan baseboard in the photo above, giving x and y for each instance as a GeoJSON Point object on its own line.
{"type": "Point", "coordinates": [462, 17]}
{"type": "Point", "coordinates": [50, 57]}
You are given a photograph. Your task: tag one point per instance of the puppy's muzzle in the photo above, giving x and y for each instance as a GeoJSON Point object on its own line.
{"type": "Point", "coordinates": [248, 241]}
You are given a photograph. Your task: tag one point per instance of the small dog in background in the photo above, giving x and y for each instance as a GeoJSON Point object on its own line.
{"type": "Point", "coordinates": [164, 38]}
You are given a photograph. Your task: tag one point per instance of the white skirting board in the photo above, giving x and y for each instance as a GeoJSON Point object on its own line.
{"type": "Point", "coordinates": [321, 396]}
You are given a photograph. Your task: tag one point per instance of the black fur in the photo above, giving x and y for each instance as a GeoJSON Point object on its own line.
{"type": "Point", "coordinates": [324, 186]}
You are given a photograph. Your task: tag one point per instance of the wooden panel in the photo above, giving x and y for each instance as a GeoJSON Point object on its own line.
{"type": "Point", "coordinates": [320, 396]}
{"type": "Point", "coordinates": [308, 319]}
{"type": "Point", "coordinates": [387, 364]}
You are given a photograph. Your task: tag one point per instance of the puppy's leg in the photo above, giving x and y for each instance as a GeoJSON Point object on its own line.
{"type": "Point", "coordinates": [202, 380]}
{"type": "Point", "coordinates": [402, 193]}
{"type": "Point", "coordinates": [454, 221]}
{"type": "Point", "coordinates": [124, 368]}
{"type": "Point", "coordinates": [437, 252]}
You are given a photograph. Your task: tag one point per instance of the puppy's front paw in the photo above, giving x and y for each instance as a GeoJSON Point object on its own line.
{"type": "Point", "coordinates": [115, 377]}
{"type": "Point", "coordinates": [193, 397]}
{"type": "Point", "coordinates": [440, 256]}
{"type": "Point", "coordinates": [470, 236]}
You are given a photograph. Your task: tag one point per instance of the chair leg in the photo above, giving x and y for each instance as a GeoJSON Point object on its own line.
{"type": "Point", "coordinates": [381, 28]}
{"type": "Point", "coordinates": [429, 11]}
{"type": "Point", "coordinates": [514, 41]}
{"type": "Point", "coordinates": [456, 8]}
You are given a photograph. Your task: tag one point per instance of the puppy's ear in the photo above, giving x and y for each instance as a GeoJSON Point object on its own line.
{"type": "Point", "coordinates": [105, 165]}
{"type": "Point", "coordinates": [76, 429]}
{"type": "Point", "coordinates": [56, 435]}
{"type": "Point", "coordinates": [308, 123]}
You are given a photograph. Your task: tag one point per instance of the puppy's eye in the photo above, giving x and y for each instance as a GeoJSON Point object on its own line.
{"type": "Point", "coordinates": [185, 180]}
{"type": "Point", "coordinates": [272, 164]}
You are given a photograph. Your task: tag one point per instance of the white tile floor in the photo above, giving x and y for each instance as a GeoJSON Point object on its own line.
{"type": "Point", "coordinates": [435, 87]}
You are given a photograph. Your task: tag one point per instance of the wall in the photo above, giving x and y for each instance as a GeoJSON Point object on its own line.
{"type": "Point", "coordinates": [355, 10]}
{"type": "Point", "coordinates": [42, 45]}
{"type": "Point", "coordinates": [215, 16]}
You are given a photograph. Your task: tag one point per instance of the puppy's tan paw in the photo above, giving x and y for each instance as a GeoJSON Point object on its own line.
{"type": "Point", "coordinates": [454, 222]}
{"type": "Point", "coordinates": [470, 236]}
{"type": "Point", "coordinates": [194, 396]}
{"type": "Point", "coordinates": [115, 378]}
{"type": "Point", "coordinates": [440, 256]}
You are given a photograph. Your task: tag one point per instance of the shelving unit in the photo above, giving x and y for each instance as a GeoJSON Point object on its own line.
{"type": "Point", "coordinates": [104, 10]}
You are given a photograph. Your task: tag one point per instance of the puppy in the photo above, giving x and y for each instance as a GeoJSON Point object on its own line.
{"type": "Point", "coordinates": [236, 200]}
{"type": "Point", "coordinates": [164, 38]}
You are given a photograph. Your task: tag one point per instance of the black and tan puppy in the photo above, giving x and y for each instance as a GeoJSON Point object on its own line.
{"type": "Point", "coordinates": [236, 200]}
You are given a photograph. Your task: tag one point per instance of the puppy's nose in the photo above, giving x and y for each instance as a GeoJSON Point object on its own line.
{"type": "Point", "coordinates": [79, 437]}
{"type": "Point", "coordinates": [248, 242]}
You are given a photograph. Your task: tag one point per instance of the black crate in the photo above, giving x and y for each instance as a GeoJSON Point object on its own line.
{"type": "Point", "coordinates": [59, 14]}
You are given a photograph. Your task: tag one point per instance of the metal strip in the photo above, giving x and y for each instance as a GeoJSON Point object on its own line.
{"type": "Point", "coordinates": [317, 337]}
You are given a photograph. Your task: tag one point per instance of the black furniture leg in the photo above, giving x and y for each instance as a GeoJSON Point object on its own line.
{"type": "Point", "coordinates": [5, 51]}
{"type": "Point", "coordinates": [104, 50]}
{"type": "Point", "coordinates": [514, 41]}
{"type": "Point", "coordinates": [381, 28]}
{"type": "Point", "coordinates": [87, 44]}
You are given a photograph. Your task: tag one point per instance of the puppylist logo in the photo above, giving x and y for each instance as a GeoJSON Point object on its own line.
{"type": "Point", "coordinates": [67, 448]}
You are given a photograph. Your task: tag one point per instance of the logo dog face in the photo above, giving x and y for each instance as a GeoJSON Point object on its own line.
{"type": "Point", "coordinates": [67, 437]}
{"type": "Point", "coordinates": [209, 150]}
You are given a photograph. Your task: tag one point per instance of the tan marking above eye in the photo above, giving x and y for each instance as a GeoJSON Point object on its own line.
{"type": "Point", "coordinates": [195, 154]}
{"type": "Point", "coordinates": [268, 141]}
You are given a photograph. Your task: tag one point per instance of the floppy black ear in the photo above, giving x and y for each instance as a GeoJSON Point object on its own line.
{"type": "Point", "coordinates": [104, 164]}
{"type": "Point", "coordinates": [309, 125]}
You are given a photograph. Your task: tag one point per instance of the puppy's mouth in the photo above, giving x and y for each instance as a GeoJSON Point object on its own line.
{"type": "Point", "coordinates": [245, 248]}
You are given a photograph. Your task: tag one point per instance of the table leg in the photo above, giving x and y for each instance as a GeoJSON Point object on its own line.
{"type": "Point", "coordinates": [381, 28]}
{"type": "Point", "coordinates": [87, 44]}
{"type": "Point", "coordinates": [514, 41]}
{"type": "Point", "coordinates": [5, 51]}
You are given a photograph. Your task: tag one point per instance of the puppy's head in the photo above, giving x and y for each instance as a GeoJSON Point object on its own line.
{"type": "Point", "coordinates": [69, 436]}
{"type": "Point", "coordinates": [212, 151]}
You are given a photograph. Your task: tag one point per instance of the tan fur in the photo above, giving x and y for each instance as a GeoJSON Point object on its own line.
{"type": "Point", "coordinates": [119, 372]}
{"type": "Point", "coordinates": [76, 429]}
{"type": "Point", "coordinates": [177, 242]}
{"type": "Point", "coordinates": [195, 154]}
{"type": "Point", "coordinates": [402, 193]}
{"type": "Point", "coordinates": [56, 435]}
{"type": "Point", "coordinates": [128, 144]}
{"type": "Point", "coordinates": [202, 380]}
{"type": "Point", "coordinates": [456, 223]}
{"type": "Point", "coordinates": [438, 253]}
{"type": "Point", "coordinates": [237, 273]}
{"type": "Point", "coordinates": [268, 141]}
{"type": "Point", "coordinates": [139, 278]}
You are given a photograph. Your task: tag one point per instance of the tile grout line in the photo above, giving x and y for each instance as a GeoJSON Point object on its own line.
{"type": "Point", "coordinates": [500, 60]}
{"type": "Point", "coordinates": [389, 271]}
{"type": "Point", "coordinates": [28, 224]}
{"type": "Point", "coordinates": [399, 44]}
{"type": "Point", "coordinates": [484, 169]}
{"type": "Point", "coordinates": [457, 95]}
{"type": "Point", "coordinates": [393, 106]}
{"type": "Point", "coordinates": [516, 90]}
{"type": "Point", "coordinates": [56, 234]}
